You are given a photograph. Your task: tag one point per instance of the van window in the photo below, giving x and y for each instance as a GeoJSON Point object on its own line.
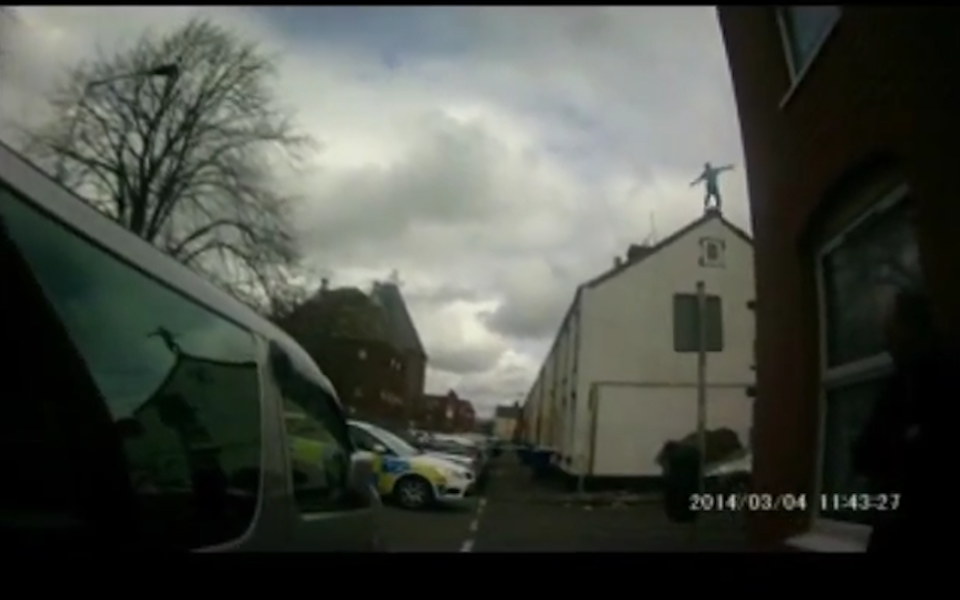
{"type": "Point", "coordinates": [318, 446]}
{"type": "Point", "coordinates": [363, 439]}
{"type": "Point", "coordinates": [180, 382]}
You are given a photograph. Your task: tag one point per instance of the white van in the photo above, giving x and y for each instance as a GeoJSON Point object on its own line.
{"type": "Point", "coordinates": [145, 406]}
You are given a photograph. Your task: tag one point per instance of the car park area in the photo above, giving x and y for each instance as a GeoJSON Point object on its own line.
{"type": "Point", "coordinates": [517, 514]}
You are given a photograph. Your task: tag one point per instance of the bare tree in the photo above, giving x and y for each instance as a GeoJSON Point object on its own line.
{"type": "Point", "coordinates": [291, 292]}
{"type": "Point", "coordinates": [192, 161]}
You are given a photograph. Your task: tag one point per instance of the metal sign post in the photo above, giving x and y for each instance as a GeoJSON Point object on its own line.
{"type": "Point", "coordinates": [701, 394]}
{"type": "Point", "coordinates": [698, 328]}
{"type": "Point", "coordinates": [702, 380]}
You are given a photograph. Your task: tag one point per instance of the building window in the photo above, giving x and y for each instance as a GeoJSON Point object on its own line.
{"type": "Point", "coordinates": [859, 273]}
{"type": "Point", "coordinates": [686, 323]}
{"type": "Point", "coordinates": [711, 252]}
{"type": "Point", "coordinates": [804, 29]}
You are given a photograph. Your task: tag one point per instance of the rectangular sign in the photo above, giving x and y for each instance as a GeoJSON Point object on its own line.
{"type": "Point", "coordinates": [686, 323]}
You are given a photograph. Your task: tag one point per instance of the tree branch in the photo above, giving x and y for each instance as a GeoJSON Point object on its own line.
{"type": "Point", "coordinates": [184, 164]}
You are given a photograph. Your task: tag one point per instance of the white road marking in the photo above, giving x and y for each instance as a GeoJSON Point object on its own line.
{"type": "Point", "coordinates": [474, 527]}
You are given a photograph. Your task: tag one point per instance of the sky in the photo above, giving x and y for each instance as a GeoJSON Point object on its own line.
{"type": "Point", "coordinates": [495, 157]}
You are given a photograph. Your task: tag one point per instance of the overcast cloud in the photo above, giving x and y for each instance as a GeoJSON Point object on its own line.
{"type": "Point", "coordinates": [495, 157]}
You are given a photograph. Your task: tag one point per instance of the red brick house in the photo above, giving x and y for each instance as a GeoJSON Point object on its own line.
{"type": "Point", "coordinates": [466, 416]}
{"type": "Point", "coordinates": [343, 331]}
{"type": "Point", "coordinates": [368, 376]}
{"type": "Point", "coordinates": [848, 119]}
{"type": "Point", "coordinates": [446, 413]}
{"type": "Point", "coordinates": [401, 331]}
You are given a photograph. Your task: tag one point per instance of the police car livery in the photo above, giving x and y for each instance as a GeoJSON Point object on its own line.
{"type": "Point", "coordinates": [411, 477]}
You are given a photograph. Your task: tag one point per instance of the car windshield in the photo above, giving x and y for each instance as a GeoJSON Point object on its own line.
{"type": "Point", "coordinates": [393, 442]}
{"type": "Point", "coordinates": [452, 448]}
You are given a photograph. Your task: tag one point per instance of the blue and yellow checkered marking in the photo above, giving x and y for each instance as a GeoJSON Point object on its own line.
{"type": "Point", "coordinates": [395, 466]}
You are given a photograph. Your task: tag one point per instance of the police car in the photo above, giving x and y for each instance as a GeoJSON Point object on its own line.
{"type": "Point", "coordinates": [411, 477]}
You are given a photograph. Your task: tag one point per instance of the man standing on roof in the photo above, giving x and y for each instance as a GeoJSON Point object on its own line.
{"type": "Point", "coordinates": [709, 177]}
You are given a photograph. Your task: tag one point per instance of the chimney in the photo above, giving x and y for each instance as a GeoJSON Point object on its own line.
{"type": "Point", "coordinates": [617, 261]}
{"type": "Point", "coordinates": [637, 251]}
{"type": "Point", "coordinates": [324, 284]}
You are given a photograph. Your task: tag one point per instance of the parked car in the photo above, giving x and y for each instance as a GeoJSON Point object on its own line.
{"type": "Point", "coordinates": [455, 449]}
{"type": "Point", "coordinates": [408, 475]}
{"type": "Point", "coordinates": [476, 447]}
{"type": "Point", "coordinates": [168, 405]}
{"type": "Point", "coordinates": [424, 441]}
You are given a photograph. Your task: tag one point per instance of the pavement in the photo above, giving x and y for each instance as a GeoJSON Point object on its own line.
{"type": "Point", "coordinates": [516, 514]}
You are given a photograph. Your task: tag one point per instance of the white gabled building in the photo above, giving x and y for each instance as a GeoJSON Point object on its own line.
{"type": "Point", "coordinates": [612, 390]}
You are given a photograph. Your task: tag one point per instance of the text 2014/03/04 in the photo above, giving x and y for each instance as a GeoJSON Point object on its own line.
{"type": "Point", "coordinates": [761, 502]}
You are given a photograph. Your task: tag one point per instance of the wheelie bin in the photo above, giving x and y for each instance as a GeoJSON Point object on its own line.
{"type": "Point", "coordinates": [540, 461]}
{"type": "Point", "coordinates": [525, 454]}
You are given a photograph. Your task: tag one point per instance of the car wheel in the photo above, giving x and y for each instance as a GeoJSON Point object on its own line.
{"type": "Point", "coordinates": [413, 492]}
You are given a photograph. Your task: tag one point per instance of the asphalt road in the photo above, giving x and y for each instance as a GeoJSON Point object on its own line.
{"type": "Point", "coordinates": [517, 515]}
{"type": "Point", "coordinates": [441, 529]}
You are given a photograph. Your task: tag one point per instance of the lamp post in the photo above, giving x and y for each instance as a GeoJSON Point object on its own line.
{"type": "Point", "coordinates": [169, 71]}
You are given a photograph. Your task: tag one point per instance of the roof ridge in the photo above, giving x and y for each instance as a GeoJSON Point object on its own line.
{"type": "Point", "coordinates": [400, 323]}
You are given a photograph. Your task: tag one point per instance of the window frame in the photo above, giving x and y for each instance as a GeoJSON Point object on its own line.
{"type": "Point", "coordinates": [719, 246]}
{"type": "Point", "coordinates": [69, 229]}
{"type": "Point", "coordinates": [351, 427]}
{"type": "Point", "coordinates": [340, 433]}
{"type": "Point", "coordinates": [798, 74]}
{"type": "Point", "coordinates": [860, 370]}
{"type": "Point", "coordinates": [80, 422]}
{"type": "Point", "coordinates": [677, 297]}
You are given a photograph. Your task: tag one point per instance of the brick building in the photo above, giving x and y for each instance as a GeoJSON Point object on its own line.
{"type": "Point", "coordinates": [345, 333]}
{"type": "Point", "coordinates": [466, 417]}
{"type": "Point", "coordinates": [446, 413]}
{"type": "Point", "coordinates": [848, 119]}
{"type": "Point", "coordinates": [369, 377]}
{"type": "Point", "coordinates": [402, 332]}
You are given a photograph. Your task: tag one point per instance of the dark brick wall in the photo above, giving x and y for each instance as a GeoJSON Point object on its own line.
{"type": "Point", "coordinates": [884, 92]}
{"type": "Point", "coordinates": [368, 375]}
{"type": "Point", "coordinates": [446, 413]}
{"type": "Point", "coordinates": [415, 371]}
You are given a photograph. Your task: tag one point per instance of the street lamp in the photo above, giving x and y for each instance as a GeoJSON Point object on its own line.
{"type": "Point", "coordinates": [169, 71]}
